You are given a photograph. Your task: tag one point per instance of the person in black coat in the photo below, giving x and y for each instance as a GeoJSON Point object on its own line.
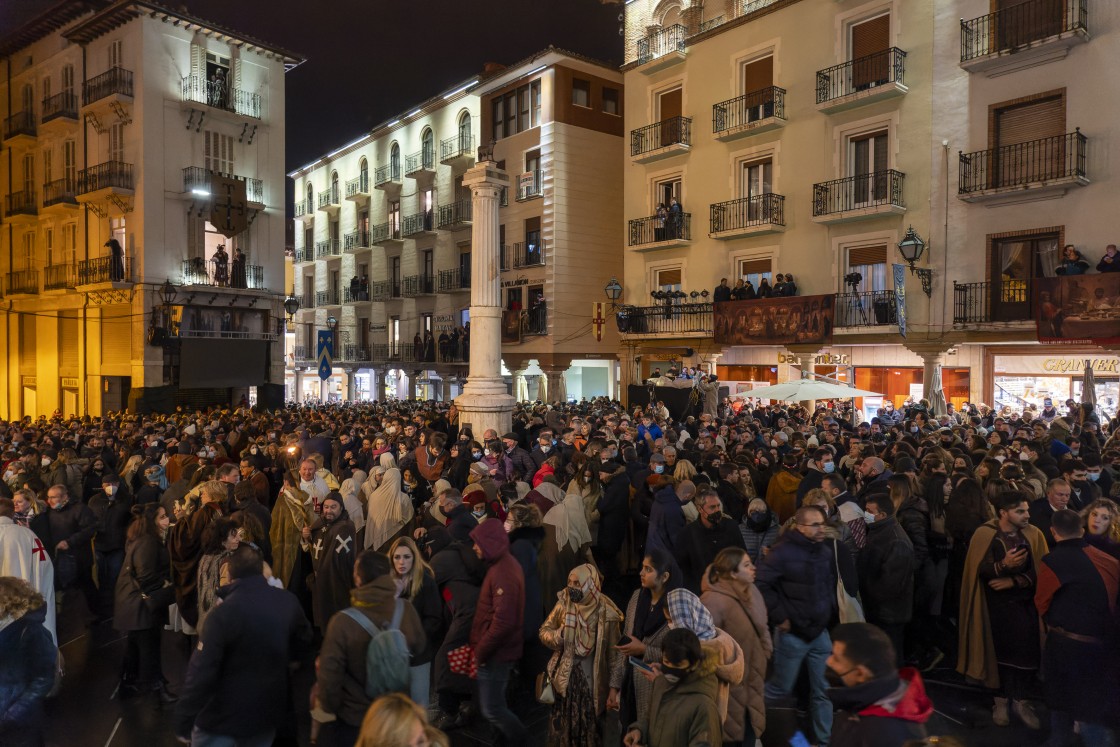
{"type": "Point", "coordinates": [886, 572]}
{"type": "Point", "coordinates": [237, 682]}
{"type": "Point", "coordinates": [459, 573]}
{"type": "Point", "coordinates": [700, 542]}
{"type": "Point", "coordinates": [114, 513]}
{"type": "Point", "coordinates": [722, 291]}
{"type": "Point", "coordinates": [614, 515]}
{"type": "Point", "coordinates": [27, 663]}
{"type": "Point", "coordinates": [146, 573]}
{"type": "Point", "coordinates": [70, 527]}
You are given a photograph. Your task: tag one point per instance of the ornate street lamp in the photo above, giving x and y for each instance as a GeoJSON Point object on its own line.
{"type": "Point", "coordinates": [911, 248]}
{"type": "Point", "coordinates": [167, 293]}
{"type": "Point", "coordinates": [291, 306]}
{"type": "Point", "coordinates": [613, 291]}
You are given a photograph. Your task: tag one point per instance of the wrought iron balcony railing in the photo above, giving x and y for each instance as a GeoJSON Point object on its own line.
{"type": "Point", "coordinates": [60, 277]}
{"type": "Point", "coordinates": [21, 203]}
{"type": "Point", "coordinates": [1000, 301]}
{"type": "Point", "coordinates": [301, 353]}
{"type": "Point", "coordinates": [386, 174]}
{"type": "Point", "coordinates": [111, 174]}
{"type": "Point", "coordinates": [328, 297]}
{"type": "Point", "coordinates": [866, 309]}
{"type": "Point", "coordinates": [666, 318]}
{"type": "Point", "coordinates": [222, 274]}
{"type": "Point", "coordinates": [1021, 25]}
{"type": "Point", "coordinates": [751, 107]}
{"type": "Point", "coordinates": [114, 81]}
{"type": "Point", "coordinates": [536, 321]}
{"type": "Point", "coordinates": [456, 147]}
{"type": "Point", "coordinates": [354, 241]}
{"type": "Point", "coordinates": [328, 248]}
{"type": "Point", "coordinates": [424, 160]}
{"type": "Point", "coordinates": [655, 229]}
{"type": "Point", "coordinates": [328, 197]}
{"type": "Point", "coordinates": [454, 280]}
{"type": "Point", "coordinates": [455, 214]}
{"type": "Point", "coordinates": [63, 104]}
{"type": "Point", "coordinates": [25, 282]}
{"type": "Point", "coordinates": [104, 270]}
{"type": "Point", "coordinates": [526, 254]}
{"type": "Point", "coordinates": [304, 255]}
{"type": "Point", "coordinates": [746, 212]}
{"type": "Point", "coordinates": [380, 290]}
{"type": "Point", "coordinates": [60, 191]}
{"type": "Point", "coordinates": [383, 232]}
{"type": "Point", "coordinates": [218, 94]}
{"type": "Point", "coordinates": [858, 192]}
{"type": "Point", "coordinates": [416, 223]}
{"type": "Point", "coordinates": [418, 285]}
{"type": "Point", "coordinates": [880, 68]}
{"type": "Point", "coordinates": [20, 123]}
{"type": "Point", "coordinates": [668, 132]}
{"type": "Point", "coordinates": [1023, 164]}
{"type": "Point", "coordinates": [530, 187]}
{"type": "Point", "coordinates": [357, 185]}
{"type": "Point", "coordinates": [662, 42]}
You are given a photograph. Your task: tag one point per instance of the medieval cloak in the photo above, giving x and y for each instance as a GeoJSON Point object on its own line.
{"type": "Point", "coordinates": [333, 548]}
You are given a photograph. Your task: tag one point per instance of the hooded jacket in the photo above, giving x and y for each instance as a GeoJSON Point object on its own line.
{"type": "Point", "coordinates": [27, 668]}
{"type": "Point", "coordinates": [887, 710]}
{"type": "Point", "coordinates": [684, 714]}
{"type": "Point", "coordinates": [781, 493]}
{"type": "Point", "coordinates": [614, 511]}
{"type": "Point", "coordinates": [499, 618]}
{"type": "Point", "coordinates": [666, 520]}
{"type": "Point", "coordinates": [886, 573]}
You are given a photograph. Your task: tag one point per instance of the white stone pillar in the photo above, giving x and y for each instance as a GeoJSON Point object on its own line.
{"type": "Point", "coordinates": [485, 402]}
{"type": "Point", "coordinates": [351, 385]}
{"type": "Point", "coordinates": [555, 387]}
{"type": "Point", "coordinates": [297, 395]}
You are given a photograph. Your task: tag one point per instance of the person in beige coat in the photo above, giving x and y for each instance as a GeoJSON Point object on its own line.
{"type": "Point", "coordinates": [729, 594]}
{"type": "Point", "coordinates": [582, 629]}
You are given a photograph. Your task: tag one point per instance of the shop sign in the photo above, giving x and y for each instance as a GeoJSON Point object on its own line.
{"type": "Point", "coordinates": [823, 359]}
{"type": "Point", "coordinates": [69, 382]}
{"type": "Point", "coordinates": [515, 283]}
{"type": "Point", "coordinates": [1064, 366]}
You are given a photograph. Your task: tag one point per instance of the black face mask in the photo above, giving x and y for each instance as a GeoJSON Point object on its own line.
{"type": "Point", "coordinates": [673, 675]}
{"type": "Point", "coordinates": [834, 679]}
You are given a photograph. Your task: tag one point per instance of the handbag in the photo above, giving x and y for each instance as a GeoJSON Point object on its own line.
{"type": "Point", "coordinates": [156, 600]}
{"type": "Point", "coordinates": [850, 609]}
{"type": "Point", "coordinates": [461, 661]}
{"type": "Point", "coordinates": [543, 690]}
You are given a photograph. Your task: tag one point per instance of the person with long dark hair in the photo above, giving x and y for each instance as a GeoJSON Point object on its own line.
{"type": "Point", "coordinates": [143, 594]}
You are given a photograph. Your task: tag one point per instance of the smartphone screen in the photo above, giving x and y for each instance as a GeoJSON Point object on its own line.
{"type": "Point", "coordinates": [634, 661]}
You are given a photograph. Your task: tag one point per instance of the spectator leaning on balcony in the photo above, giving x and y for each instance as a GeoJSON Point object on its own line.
{"type": "Point", "coordinates": [1072, 262]}
{"type": "Point", "coordinates": [116, 260]}
{"type": "Point", "coordinates": [676, 218]}
{"type": "Point", "coordinates": [1110, 262]}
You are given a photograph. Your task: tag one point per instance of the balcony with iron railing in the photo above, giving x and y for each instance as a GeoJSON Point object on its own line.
{"type": "Point", "coordinates": [417, 223]}
{"type": "Point", "coordinates": [198, 180]}
{"type": "Point", "coordinates": [660, 232]}
{"type": "Point", "coordinates": [455, 216]}
{"type": "Point", "coordinates": [660, 49]}
{"type": "Point", "coordinates": [669, 318]}
{"type": "Point", "coordinates": [858, 197]}
{"type": "Point", "coordinates": [20, 125]}
{"type": "Point", "coordinates": [526, 254]}
{"type": "Point", "coordinates": [535, 321]}
{"type": "Point", "coordinates": [60, 106]}
{"type": "Point", "coordinates": [105, 269]}
{"type": "Point", "coordinates": [748, 216]}
{"type": "Point", "coordinates": [22, 283]}
{"type": "Point", "coordinates": [22, 205]}
{"type": "Point", "coordinates": [302, 353]}
{"type": "Point", "coordinates": [219, 95]}
{"type": "Point", "coordinates": [384, 233]}
{"type": "Point", "coordinates": [330, 297]}
{"type": "Point", "coordinates": [418, 285]}
{"type": "Point", "coordinates": [305, 210]}
{"type": "Point", "coordinates": [357, 189]}
{"type": "Point", "coordinates": [421, 163]}
{"type": "Point", "coordinates": [112, 85]}
{"type": "Point", "coordinates": [329, 200]}
{"type": "Point", "coordinates": [112, 176]}
{"type": "Point", "coordinates": [866, 309]}
{"type": "Point", "coordinates": [355, 293]}
{"type": "Point", "coordinates": [988, 302]}
{"type": "Point", "coordinates": [1023, 34]}
{"type": "Point", "coordinates": [1047, 165]}
{"type": "Point", "coordinates": [457, 151]}
{"type": "Point", "coordinates": [304, 255]}
{"type": "Point", "coordinates": [355, 241]}
{"type": "Point", "coordinates": [222, 274]}
{"type": "Point", "coordinates": [529, 185]}
{"type": "Point", "coordinates": [458, 279]}
{"type": "Point", "coordinates": [750, 114]}
{"type": "Point", "coordinates": [380, 290]}
{"type": "Point", "coordinates": [352, 353]}
{"type": "Point", "coordinates": [328, 248]}
{"type": "Point", "coordinates": [61, 194]}
{"type": "Point", "coordinates": [875, 77]}
{"type": "Point", "coordinates": [387, 177]}
{"type": "Point", "coordinates": [60, 277]}
{"type": "Point", "coordinates": [664, 139]}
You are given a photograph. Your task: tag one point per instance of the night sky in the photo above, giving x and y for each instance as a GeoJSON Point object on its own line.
{"type": "Point", "coordinates": [369, 60]}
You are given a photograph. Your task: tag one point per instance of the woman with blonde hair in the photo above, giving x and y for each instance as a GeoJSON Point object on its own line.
{"type": "Point", "coordinates": [1102, 526]}
{"type": "Point", "coordinates": [582, 629]}
{"type": "Point", "coordinates": [685, 470]}
{"type": "Point", "coordinates": [395, 721]}
{"type": "Point", "coordinates": [417, 583]}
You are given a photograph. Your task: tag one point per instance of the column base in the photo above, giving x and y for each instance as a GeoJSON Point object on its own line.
{"type": "Point", "coordinates": [482, 410]}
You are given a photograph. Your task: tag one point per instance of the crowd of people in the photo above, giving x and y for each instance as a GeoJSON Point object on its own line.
{"type": "Point", "coordinates": [667, 580]}
{"type": "Point", "coordinates": [744, 290]}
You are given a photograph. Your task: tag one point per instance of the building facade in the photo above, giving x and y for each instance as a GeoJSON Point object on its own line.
{"type": "Point", "coordinates": [134, 124]}
{"type": "Point", "coordinates": [383, 239]}
{"type": "Point", "coordinates": [808, 136]}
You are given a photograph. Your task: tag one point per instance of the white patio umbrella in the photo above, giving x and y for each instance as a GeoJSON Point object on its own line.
{"type": "Point", "coordinates": [937, 404]}
{"type": "Point", "coordinates": [801, 390]}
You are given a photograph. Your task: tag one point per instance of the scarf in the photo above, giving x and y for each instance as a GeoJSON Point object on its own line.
{"type": "Point", "coordinates": [353, 499]}
{"type": "Point", "coordinates": [688, 612]}
{"type": "Point", "coordinates": [568, 519]}
{"type": "Point", "coordinates": [388, 509]}
{"type": "Point", "coordinates": [431, 468]}
{"type": "Point", "coordinates": [581, 619]}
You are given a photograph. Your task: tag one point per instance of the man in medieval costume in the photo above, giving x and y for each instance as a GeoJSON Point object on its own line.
{"type": "Point", "coordinates": [331, 542]}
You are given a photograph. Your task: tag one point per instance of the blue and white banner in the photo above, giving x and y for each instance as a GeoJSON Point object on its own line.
{"type": "Point", "coordinates": [324, 354]}
{"type": "Point", "coordinates": [900, 296]}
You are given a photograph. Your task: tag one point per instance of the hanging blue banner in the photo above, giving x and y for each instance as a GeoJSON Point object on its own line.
{"type": "Point", "coordinates": [324, 354]}
{"type": "Point", "coordinates": [900, 296]}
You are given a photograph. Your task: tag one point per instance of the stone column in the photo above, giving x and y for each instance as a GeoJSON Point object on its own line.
{"type": "Point", "coordinates": [377, 384]}
{"type": "Point", "coordinates": [484, 402]}
{"type": "Point", "coordinates": [806, 355]}
{"type": "Point", "coordinates": [351, 385]}
{"type": "Point", "coordinates": [555, 387]}
{"type": "Point", "coordinates": [324, 389]}
{"type": "Point", "coordinates": [297, 395]}
{"type": "Point", "coordinates": [933, 356]}
{"type": "Point", "coordinates": [446, 383]}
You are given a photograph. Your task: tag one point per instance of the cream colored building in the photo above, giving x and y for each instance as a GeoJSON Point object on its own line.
{"type": "Point", "coordinates": [116, 121]}
{"type": "Point", "coordinates": [391, 207]}
{"type": "Point", "coordinates": [807, 136]}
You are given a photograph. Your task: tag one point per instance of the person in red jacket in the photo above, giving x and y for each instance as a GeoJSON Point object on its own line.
{"type": "Point", "coordinates": [496, 632]}
{"type": "Point", "coordinates": [875, 702]}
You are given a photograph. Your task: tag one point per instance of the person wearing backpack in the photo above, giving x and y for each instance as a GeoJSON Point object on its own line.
{"type": "Point", "coordinates": [376, 636]}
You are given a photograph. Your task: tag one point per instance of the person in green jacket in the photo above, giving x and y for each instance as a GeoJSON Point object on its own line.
{"type": "Point", "coordinates": [683, 707]}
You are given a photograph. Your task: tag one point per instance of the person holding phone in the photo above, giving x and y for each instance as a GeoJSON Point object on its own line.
{"type": "Point", "coordinates": [644, 628]}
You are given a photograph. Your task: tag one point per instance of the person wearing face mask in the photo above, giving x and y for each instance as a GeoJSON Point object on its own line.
{"type": "Point", "coordinates": [700, 541]}
{"type": "Point", "coordinates": [582, 629]}
{"type": "Point", "coordinates": [497, 464]}
{"type": "Point", "coordinates": [683, 707]}
{"type": "Point", "coordinates": [1083, 490]}
{"type": "Point", "coordinates": [544, 448]}
{"type": "Point", "coordinates": [114, 513]}
{"type": "Point", "coordinates": [876, 703]}
{"type": "Point", "coordinates": [760, 529]}
{"type": "Point", "coordinates": [821, 463]}
{"type": "Point", "coordinates": [71, 527]}
{"type": "Point", "coordinates": [886, 571]}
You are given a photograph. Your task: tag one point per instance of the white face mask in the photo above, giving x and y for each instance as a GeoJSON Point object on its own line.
{"type": "Point", "coordinates": [1023, 456]}
{"type": "Point", "coordinates": [45, 461]}
{"type": "Point", "coordinates": [868, 517]}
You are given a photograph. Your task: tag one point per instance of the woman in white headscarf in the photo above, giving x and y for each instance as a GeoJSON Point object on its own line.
{"type": "Point", "coordinates": [567, 540]}
{"type": "Point", "coordinates": [354, 500]}
{"type": "Point", "coordinates": [388, 508]}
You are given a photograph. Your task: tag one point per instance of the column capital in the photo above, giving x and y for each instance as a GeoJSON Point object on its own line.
{"type": "Point", "coordinates": [485, 173]}
{"type": "Point", "coordinates": [931, 352]}
{"type": "Point", "coordinates": [805, 349]}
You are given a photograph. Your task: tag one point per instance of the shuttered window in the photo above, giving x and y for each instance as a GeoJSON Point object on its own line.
{"type": "Point", "coordinates": [754, 267]}
{"type": "Point", "coordinates": [867, 255]}
{"type": "Point", "coordinates": [27, 348]}
{"type": "Point", "coordinates": [116, 336]}
{"type": "Point", "coordinates": [871, 36]}
{"type": "Point", "coordinates": [758, 75]}
{"type": "Point", "coordinates": [68, 340]}
{"type": "Point", "coordinates": [669, 277]}
{"type": "Point", "coordinates": [1022, 123]}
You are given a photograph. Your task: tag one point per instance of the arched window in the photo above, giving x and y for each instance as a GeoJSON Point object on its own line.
{"type": "Point", "coordinates": [334, 187]}
{"type": "Point", "coordinates": [395, 162]}
{"type": "Point", "coordinates": [363, 175]}
{"type": "Point", "coordinates": [465, 132]}
{"type": "Point", "coordinates": [310, 205]}
{"type": "Point", "coordinates": [428, 148]}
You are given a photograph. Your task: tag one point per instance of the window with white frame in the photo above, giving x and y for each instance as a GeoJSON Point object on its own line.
{"type": "Point", "coordinates": [116, 142]}
{"type": "Point", "coordinates": [69, 242]}
{"type": "Point", "coordinates": [48, 242]}
{"type": "Point", "coordinates": [871, 263]}
{"type": "Point", "coordinates": [757, 180]}
{"type": "Point", "coordinates": [116, 54]}
{"type": "Point", "coordinates": [754, 270]}
{"type": "Point", "coordinates": [218, 152]}
{"type": "Point", "coordinates": [868, 160]}
{"type": "Point", "coordinates": [48, 165]}
{"type": "Point", "coordinates": [70, 161]}
{"type": "Point", "coordinates": [28, 258]}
